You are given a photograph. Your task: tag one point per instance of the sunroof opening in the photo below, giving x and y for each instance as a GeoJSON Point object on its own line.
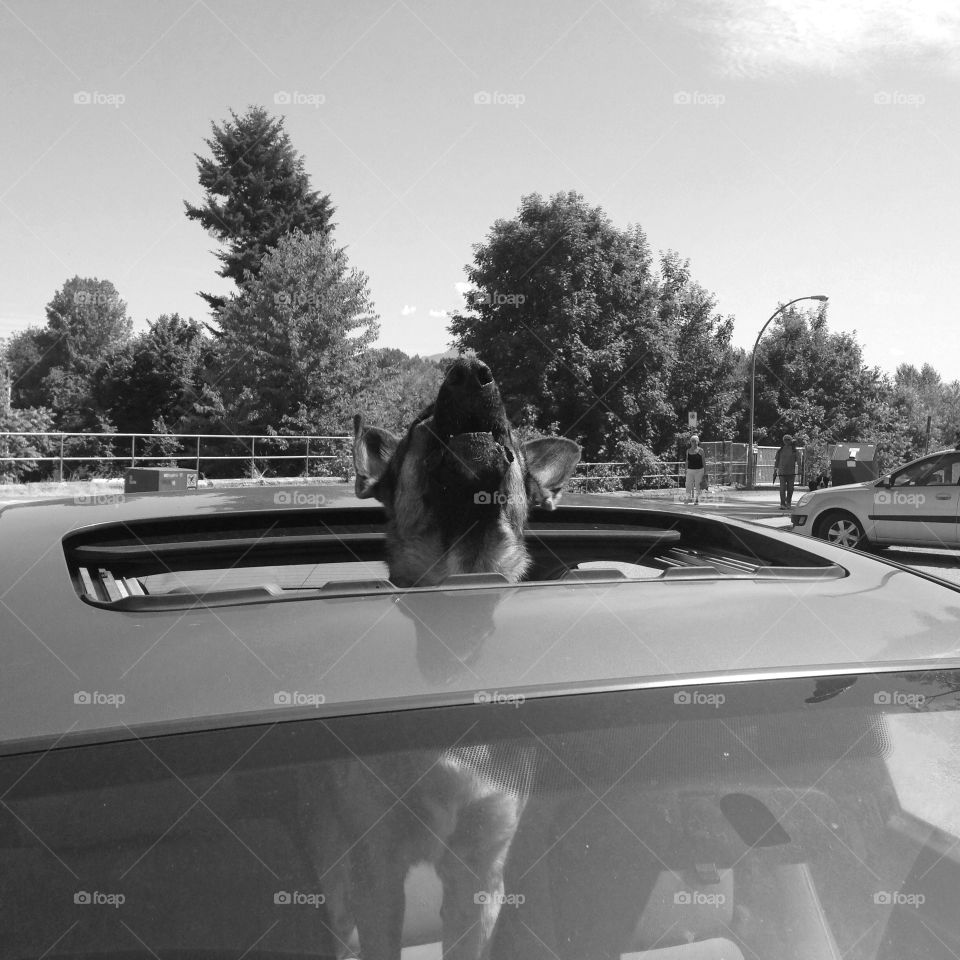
{"type": "Point", "coordinates": [283, 555]}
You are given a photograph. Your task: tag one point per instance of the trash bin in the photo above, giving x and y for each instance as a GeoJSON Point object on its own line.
{"type": "Point", "coordinates": [853, 463]}
{"type": "Point", "coordinates": [158, 479]}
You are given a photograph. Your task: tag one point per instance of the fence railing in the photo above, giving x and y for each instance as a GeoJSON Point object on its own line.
{"type": "Point", "coordinates": [147, 448]}
{"type": "Point", "coordinates": [61, 440]}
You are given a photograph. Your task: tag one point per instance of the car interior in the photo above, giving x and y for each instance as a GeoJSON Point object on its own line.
{"type": "Point", "coordinates": [810, 818]}
{"type": "Point", "coordinates": [285, 555]}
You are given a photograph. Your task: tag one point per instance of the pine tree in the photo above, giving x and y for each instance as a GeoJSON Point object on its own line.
{"type": "Point", "coordinates": [257, 191]}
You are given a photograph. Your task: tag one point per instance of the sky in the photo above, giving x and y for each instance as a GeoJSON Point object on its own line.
{"type": "Point", "coordinates": [786, 147]}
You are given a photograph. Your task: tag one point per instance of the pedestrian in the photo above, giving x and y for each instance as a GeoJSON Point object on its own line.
{"type": "Point", "coordinates": [785, 463]}
{"type": "Point", "coordinates": [696, 464]}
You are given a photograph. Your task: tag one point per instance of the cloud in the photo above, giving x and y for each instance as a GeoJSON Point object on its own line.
{"type": "Point", "coordinates": [462, 287]}
{"type": "Point", "coordinates": [407, 310]}
{"type": "Point", "coordinates": [837, 37]}
{"type": "Point", "coordinates": [438, 313]}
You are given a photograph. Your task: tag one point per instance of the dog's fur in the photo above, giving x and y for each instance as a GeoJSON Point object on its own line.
{"type": "Point", "coordinates": [456, 490]}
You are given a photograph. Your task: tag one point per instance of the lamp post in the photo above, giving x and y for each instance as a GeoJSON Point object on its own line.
{"type": "Point", "coordinates": [751, 460]}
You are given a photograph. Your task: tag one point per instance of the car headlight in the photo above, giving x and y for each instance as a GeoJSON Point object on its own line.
{"type": "Point", "coordinates": [804, 500]}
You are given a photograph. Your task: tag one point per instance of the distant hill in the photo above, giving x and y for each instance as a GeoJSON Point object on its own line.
{"type": "Point", "coordinates": [446, 355]}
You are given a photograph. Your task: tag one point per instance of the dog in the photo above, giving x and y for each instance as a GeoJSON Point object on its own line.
{"type": "Point", "coordinates": [456, 490]}
{"type": "Point", "coordinates": [457, 487]}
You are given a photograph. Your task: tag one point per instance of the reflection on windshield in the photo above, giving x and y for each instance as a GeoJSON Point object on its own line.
{"type": "Point", "coordinates": [774, 819]}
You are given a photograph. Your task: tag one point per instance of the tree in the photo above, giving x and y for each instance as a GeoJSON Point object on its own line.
{"type": "Point", "coordinates": [565, 310]}
{"type": "Point", "coordinates": [295, 340]}
{"type": "Point", "coordinates": [813, 384]}
{"type": "Point", "coordinates": [56, 365]}
{"type": "Point", "coordinates": [154, 376]}
{"type": "Point", "coordinates": [704, 376]}
{"type": "Point", "coordinates": [399, 388]}
{"type": "Point", "coordinates": [256, 192]}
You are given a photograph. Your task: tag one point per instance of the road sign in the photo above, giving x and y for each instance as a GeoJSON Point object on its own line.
{"type": "Point", "coordinates": [692, 420]}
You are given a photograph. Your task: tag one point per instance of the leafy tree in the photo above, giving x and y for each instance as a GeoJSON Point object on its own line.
{"type": "Point", "coordinates": [704, 376]}
{"type": "Point", "coordinates": [295, 340]}
{"type": "Point", "coordinates": [56, 365]}
{"type": "Point", "coordinates": [813, 384]}
{"type": "Point", "coordinates": [256, 192]}
{"type": "Point", "coordinates": [565, 310]}
{"type": "Point", "coordinates": [399, 388]}
{"type": "Point", "coordinates": [23, 420]}
{"type": "Point", "coordinates": [154, 375]}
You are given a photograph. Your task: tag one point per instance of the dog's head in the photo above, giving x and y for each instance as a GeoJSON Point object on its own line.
{"type": "Point", "coordinates": [456, 488]}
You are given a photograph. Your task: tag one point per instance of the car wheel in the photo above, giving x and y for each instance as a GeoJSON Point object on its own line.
{"type": "Point", "coordinates": [840, 528]}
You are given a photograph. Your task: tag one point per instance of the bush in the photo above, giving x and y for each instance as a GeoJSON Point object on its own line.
{"type": "Point", "coordinates": [19, 421]}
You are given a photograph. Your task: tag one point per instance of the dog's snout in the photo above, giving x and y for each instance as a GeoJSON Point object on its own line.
{"type": "Point", "coordinates": [468, 373]}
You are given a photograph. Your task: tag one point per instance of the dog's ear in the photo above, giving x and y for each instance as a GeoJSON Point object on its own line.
{"type": "Point", "coordinates": [550, 463]}
{"type": "Point", "coordinates": [372, 449]}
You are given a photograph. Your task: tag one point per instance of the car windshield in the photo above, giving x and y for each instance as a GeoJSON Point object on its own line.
{"type": "Point", "coordinates": [807, 818]}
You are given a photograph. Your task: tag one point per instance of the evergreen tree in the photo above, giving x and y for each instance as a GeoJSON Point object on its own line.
{"type": "Point", "coordinates": [294, 346]}
{"type": "Point", "coordinates": [256, 192]}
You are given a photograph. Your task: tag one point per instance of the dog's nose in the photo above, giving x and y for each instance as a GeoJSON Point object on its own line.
{"type": "Point", "coordinates": [468, 373]}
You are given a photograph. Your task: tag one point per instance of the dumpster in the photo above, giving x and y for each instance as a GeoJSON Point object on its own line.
{"type": "Point", "coordinates": [158, 479]}
{"type": "Point", "coordinates": [853, 463]}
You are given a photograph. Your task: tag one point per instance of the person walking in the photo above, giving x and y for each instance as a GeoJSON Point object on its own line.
{"type": "Point", "coordinates": [696, 464]}
{"type": "Point", "coordinates": [785, 464]}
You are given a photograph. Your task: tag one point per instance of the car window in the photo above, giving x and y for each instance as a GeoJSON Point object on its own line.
{"type": "Point", "coordinates": [778, 818]}
{"type": "Point", "coordinates": [944, 471]}
{"type": "Point", "coordinates": [911, 474]}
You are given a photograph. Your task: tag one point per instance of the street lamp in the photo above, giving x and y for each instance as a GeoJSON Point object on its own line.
{"type": "Point", "coordinates": [751, 460]}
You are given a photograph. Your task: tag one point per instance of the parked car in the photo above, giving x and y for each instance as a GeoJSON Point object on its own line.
{"type": "Point", "coordinates": [725, 741]}
{"type": "Point", "coordinates": [915, 505]}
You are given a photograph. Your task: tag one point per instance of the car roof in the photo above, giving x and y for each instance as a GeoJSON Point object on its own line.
{"type": "Point", "coordinates": [196, 666]}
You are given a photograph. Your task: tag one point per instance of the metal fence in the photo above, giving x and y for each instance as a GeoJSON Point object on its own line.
{"type": "Point", "coordinates": [66, 451]}
{"type": "Point", "coordinates": [726, 461]}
